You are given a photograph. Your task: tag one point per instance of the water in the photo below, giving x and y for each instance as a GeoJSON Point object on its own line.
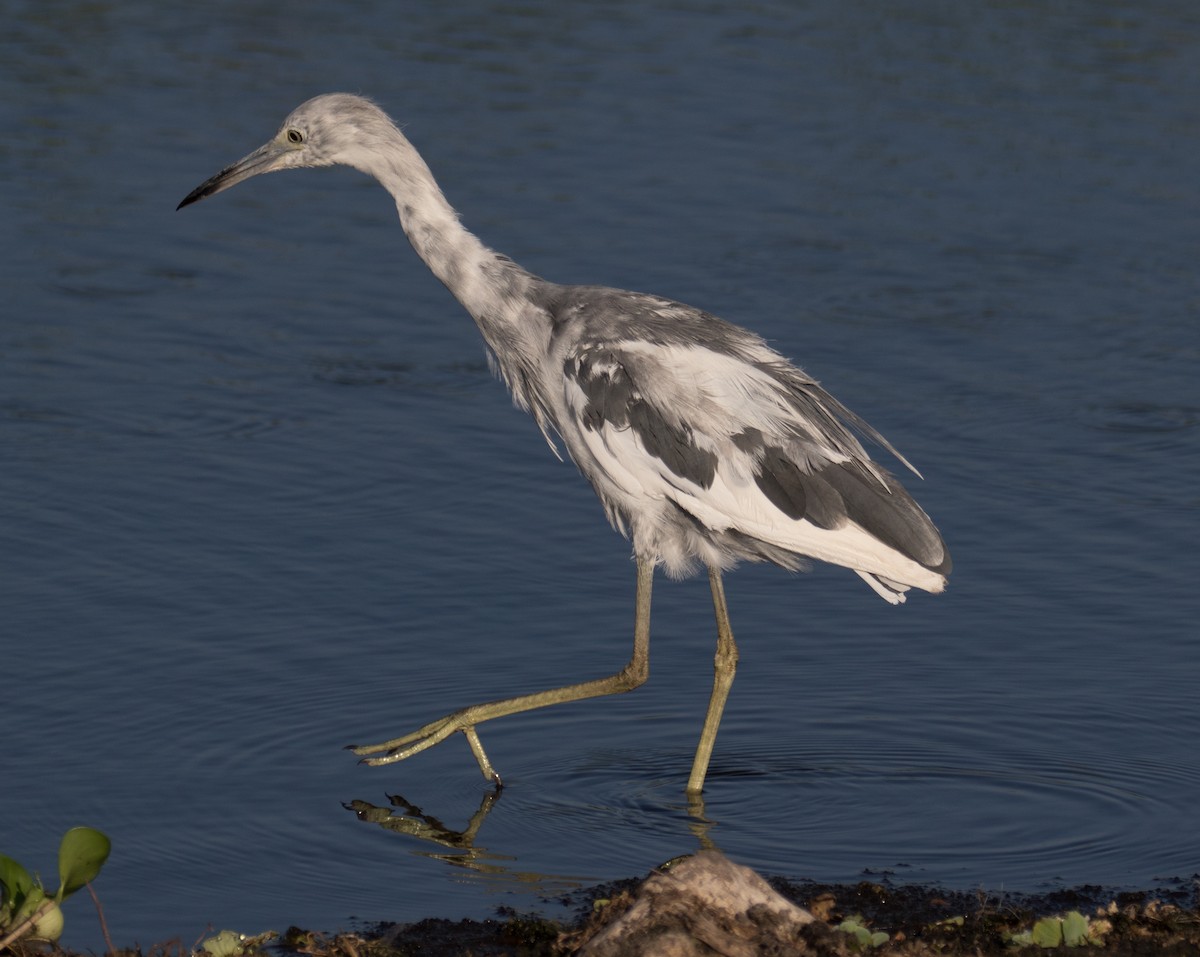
{"type": "Point", "coordinates": [260, 497]}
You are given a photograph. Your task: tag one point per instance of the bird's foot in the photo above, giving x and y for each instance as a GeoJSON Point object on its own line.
{"type": "Point", "coordinates": [397, 749]}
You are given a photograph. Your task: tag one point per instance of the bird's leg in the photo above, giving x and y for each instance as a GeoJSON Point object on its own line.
{"type": "Point", "coordinates": [485, 765]}
{"type": "Point", "coordinates": [465, 720]}
{"type": "Point", "coordinates": [724, 667]}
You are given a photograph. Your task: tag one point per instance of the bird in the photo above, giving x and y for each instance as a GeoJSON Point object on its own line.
{"type": "Point", "coordinates": [705, 446]}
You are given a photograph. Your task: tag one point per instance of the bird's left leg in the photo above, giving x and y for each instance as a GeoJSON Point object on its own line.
{"type": "Point", "coordinates": [465, 720]}
{"type": "Point", "coordinates": [724, 668]}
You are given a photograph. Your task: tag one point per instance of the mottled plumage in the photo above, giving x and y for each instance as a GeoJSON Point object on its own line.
{"type": "Point", "coordinates": [705, 446]}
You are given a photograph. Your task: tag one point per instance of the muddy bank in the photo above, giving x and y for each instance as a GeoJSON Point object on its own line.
{"type": "Point", "coordinates": [864, 918]}
{"type": "Point", "coordinates": [705, 905]}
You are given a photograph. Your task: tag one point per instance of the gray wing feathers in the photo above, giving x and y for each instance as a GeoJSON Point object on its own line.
{"type": "Point", "coordinates": [639, 366]}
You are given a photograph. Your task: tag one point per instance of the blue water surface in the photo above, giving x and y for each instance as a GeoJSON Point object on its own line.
{"type": "Point", "coordinates": [260, 496]}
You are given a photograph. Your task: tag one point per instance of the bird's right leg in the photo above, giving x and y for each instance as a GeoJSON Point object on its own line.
{"type": "Point", "coordinates": [465, 720]}
{"type": "Point", "coordinates": [724, 667]}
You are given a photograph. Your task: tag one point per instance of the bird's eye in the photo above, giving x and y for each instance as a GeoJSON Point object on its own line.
{"type": "Point", "coordinates": [295, 136]}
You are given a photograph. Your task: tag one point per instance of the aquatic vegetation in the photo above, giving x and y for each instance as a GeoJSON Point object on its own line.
{"type": "Point", "coordinates": [1073, 930]}
{"type": "Point", "coordinates": [26, 909]}
{"type": "Point", "coordinates": [230, 943]}
{"type": "Point", "coordinates": [864, 938]}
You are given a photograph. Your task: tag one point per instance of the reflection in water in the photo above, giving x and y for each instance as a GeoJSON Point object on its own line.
{"type": "Point", "coordinates": [700, 825]}
{"type": "Point", "coordinates": [404, 817]}
{"type": "Point", "coordinates": [401, 816]}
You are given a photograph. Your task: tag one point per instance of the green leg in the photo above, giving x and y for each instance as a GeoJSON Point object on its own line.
{"type": "Point", "coordinates": [724, 668]}
{"type": "Point", "coordinates": [465, 720]}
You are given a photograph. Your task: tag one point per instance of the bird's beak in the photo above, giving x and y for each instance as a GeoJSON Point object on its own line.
{"type": "Point", "coordinates": [262, 160]}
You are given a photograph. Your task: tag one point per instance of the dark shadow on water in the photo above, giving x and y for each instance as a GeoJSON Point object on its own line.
{"type": "Point", "coordinates": [461, 847]}
{"type": "Point", "coordinates": [401, 816]}
{"type": "Point", "coordinates": [700, 825]}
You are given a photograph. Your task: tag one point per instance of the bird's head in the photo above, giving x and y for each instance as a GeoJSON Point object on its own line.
{"type": "Point", "coordinates": [328, 129]}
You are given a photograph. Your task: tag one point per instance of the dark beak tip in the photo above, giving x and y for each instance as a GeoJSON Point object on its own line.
{"type": "Point", "coordinates": [190, 198]}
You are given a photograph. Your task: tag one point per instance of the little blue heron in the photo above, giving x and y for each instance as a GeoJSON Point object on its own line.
{"type": "Point", "coordinates": [705, 446]}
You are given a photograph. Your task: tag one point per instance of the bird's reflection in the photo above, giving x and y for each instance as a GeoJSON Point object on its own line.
{"type": "Point", "coordinates": [404, 817]}
{"type": "Point", "coordinates": [460, 848]}
{"type": "Point", "coordinates": [701, 824]}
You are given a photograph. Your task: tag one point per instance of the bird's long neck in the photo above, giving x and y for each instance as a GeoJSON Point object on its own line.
{"type": "Point", "coordinates": [492, 288]}
{"type": "Point", "coordinates": [481, 279]}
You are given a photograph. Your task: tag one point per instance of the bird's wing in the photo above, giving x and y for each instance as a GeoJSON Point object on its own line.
{"type": "Point", "coordinates": [741, 441]}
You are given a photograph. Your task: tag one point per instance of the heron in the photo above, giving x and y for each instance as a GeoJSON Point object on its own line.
{"type": "Point", "coordinates": [705, 446]}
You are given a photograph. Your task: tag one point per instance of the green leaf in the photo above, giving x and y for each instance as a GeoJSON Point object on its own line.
{"type": "Point", "coordinates": [80, 856]}
{"type": "Point", "coordinates": [15, 880]}
{"type": "Point", "coordinates": [228, 943]}
{"type": "Point", "coordinates": [863, 937]}
{"type": "Point", "coordinates": [1048, 932]}
{"type": "Point", "coordinates": [1075, 929]}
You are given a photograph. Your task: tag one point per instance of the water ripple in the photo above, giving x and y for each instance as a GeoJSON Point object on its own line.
{"type": "Point", "coordinates": [1143, 417]}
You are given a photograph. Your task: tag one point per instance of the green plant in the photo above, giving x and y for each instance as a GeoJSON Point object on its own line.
{"type": "Point", "coordinates": [1073, 930]}
{"type": "Point", "coordinates": [863, 937]}
{"type": "Point", "coordinates": [25, 906]}
{"type": "Point", "coordinates": [229, 943]}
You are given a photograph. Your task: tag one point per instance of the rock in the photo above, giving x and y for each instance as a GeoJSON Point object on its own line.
{"type": "Point", "coordinates": [702, 906]}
